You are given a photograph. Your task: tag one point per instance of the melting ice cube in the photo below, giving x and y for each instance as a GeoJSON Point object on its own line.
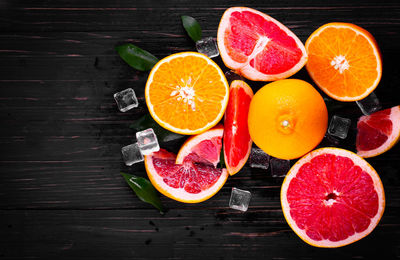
{"type": "Point", "coordinates": [258, 158]}
{"type": "Point", "coordinates": [279, 167]}
{"type": "Point", "coordinates": [240, 199]}
{"type": "Point", "coordinates": [126, 99]}
{"type": "Point", "coordinates": [339, 126]}
{"type": "Point", "coordinates": [131, 154]}
{"type": "Point", "coordinates": [147, 141]}
{"type": "Point", "coordinates": [208, 46]}
{"type": "Point", "coordinates": [370, 104]}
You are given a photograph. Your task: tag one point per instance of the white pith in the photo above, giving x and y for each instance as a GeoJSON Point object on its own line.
{"type": "Point", "coordinates": [340, 63]}
{"type": "Point", "coordinates": [244, 68]}
{"type": "Point", "coordinates": [358, 161]}
{"type": "Point", "coordinates": [392, 139]}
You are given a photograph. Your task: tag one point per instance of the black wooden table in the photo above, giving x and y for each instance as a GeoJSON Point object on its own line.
{"type": "Point", "coordinates": [61, 194]}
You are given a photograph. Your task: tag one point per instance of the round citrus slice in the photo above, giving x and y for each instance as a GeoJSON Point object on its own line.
{"type": "Point", "coordinates": [378, 132]}
{"type": "Point", "coordinates": [194, 178]}
{"type": "Point", "coordinates": [257, 46]}
{"type": "Point", "coordinates": [187, 93]}
{"type": "Point", "coordinates": [332, 197]}
{"type": "Point", "coordinates": [344, 61]}
{"type": "Point", "coordinates": [237, 142]}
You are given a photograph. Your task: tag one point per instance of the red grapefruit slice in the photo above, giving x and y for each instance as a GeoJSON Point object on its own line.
{"type": "Point", "coordinates": [257, 46]}
{"type": "Point", "coordinates": [191, 177]}
{"type": "Point", "coordinates": [378, 132]}
{"type": "Point", "coordinates": [237, 142]}
{"type": "Point", "coordinates": [204, 148]}
{"type": "Point", "coordinates": [332, 197]}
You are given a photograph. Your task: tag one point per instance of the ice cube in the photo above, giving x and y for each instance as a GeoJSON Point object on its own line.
{"type": "Point", "coordinates": [147, 141]}
{"type": "Point", "coordinates": [230, 76]}
{"type": "Point", "coordinates": [258, 158]}
{"type": "Point", "coordinates": [370, 104]}
{"type": "Point", "coordinates": [339, 126]}
{"type": "Point", "coordinates": [240, 199]}
{"type": "Point", "coordinates": [126, 99]}
{"type": "Point", "coordinates": [279, 167]}
{"type": "Point", "coordinates": [208, 46]}
{"type": "Point", "coordinates": [131, 154]}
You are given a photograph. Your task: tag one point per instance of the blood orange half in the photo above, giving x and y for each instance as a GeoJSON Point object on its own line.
{"type": "Point", "coordinates": [378, 132]}
{"type": "Point", "coordinates": [332, 197]}
{"type": "Point", "coordinates": [237, 141]}
{"type": "Point", "coordinates": [195, 178]}
{"type": "Point", "coordinates": [257, 46]}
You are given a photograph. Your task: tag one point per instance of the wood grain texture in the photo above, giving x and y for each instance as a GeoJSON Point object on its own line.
{"type": "Point", "coordinates": [61, 194]}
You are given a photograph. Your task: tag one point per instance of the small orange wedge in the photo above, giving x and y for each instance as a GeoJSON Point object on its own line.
{"type": "Point", "coordinates": [344, 61]}
{"type": "Point", "coordinates": [187, 93]}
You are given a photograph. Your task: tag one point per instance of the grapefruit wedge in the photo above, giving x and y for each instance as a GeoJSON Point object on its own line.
{"type": "Point", "coordinates": [237, 142]}
{"type": "Point", "coordinates": [195, 178]}
{"type": "Point", "coordinates": [257, 46]}
{"type": "Point", "coordinates": [332, 197]}
{"type": "Point", "coordinates": [378, 132]}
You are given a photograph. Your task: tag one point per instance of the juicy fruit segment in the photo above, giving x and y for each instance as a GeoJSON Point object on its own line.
{"type": "Point", "coordinates": [190, 176]}
{"type": "Point", "coordinates": [258, 46]}
{"type": "Point", "coordinates": [378, 132]}
{"type": "Point", "coordinates": [190, 182]}
{"type": "Point", "coordinates": [186, 93]}
{"type": "Point", "coordinates": [205, 147]}
{"type": "Point", "coordinates": [332, 197]}
{"type": "Point", "coordinates": [287, 118]}
{"type": "Point", "coordinates": [344, 61]}
{"type": "Point", "coordinates": [237, 141]}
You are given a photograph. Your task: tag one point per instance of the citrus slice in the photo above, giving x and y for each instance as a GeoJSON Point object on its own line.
{"type": "Point", "coordinates": [195, 179]}
{"type": "Point", "coordinates": [332, 197]}
{"type": "Point", "coordinates": [187, 93]}
{"type": "Point", "coordinates": [237, 141]}
{"type": "Point", "coordinates": [344, 61]}
{"type": "Point", "coordinates": [378, 132]}
{"type": "Point", "coordinates": [204, 147]}
{"type": "Point", "coordinates": [287, 118]}
{"type": "Point", "coordinates": [257, 46]}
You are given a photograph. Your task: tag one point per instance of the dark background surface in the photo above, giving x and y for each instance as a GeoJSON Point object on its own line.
{"type": "Point", "coordinates": [61, 194]}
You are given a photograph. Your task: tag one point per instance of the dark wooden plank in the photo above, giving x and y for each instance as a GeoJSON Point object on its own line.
{"type": "Point", "coordinates": [180, 234]}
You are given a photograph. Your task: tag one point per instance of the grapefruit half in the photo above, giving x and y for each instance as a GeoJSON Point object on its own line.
{"type": "Point", "coordinates": [237, 142]}
{"type": "Point", "coordinates": [378, 132]}
{"type": "Point", "coordinates": [257, 46]}
{"type": "Point", "coordinates": [332, 197]}
{"type": "Point", "coordinates": [195, 178]}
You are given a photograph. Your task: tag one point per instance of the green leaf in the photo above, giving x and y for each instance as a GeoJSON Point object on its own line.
{"type": "Point", "coordinates": [144, 190]}
{"type": "Point", "coordinates": [222, 158]}
{"type": "Point", "coordinates": [192, 27]}
{"type": "Point", "coordinates": [147, 121]}
{"type": "Point", "coordinates": [136, 57]}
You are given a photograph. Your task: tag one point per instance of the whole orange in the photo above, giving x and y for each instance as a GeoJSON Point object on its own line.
{"type": "Point", "coordinates": [287, 118]}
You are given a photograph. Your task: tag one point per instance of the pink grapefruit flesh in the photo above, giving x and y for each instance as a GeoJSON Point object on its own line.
{"type": "Point", "coordinates": [332, 197]}
{"type": "Point", "coordinates": [378, 132]}
{"type": "Point", "coordinates": [237, 142]}
{"type": "Point", "coordinates": [189, 182]}
{"type": "Point", "coordinates": [257, 46]}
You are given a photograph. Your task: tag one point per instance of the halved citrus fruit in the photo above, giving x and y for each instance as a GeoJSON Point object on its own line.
{"type": "Point", "coordinates": [287, 118]}
{"type": "Point", "coordinates": [257, 46]}
{"type": "Point", "coordinates": [187, 93]}
{"type": "Point", "coordinates": [332, 197]}
{"type": "Point", "coordinates": [204, 147]}
{"type": "Point", "coordinates": [344, 61]}
{"type": "Point", "coordinates": [237, 142]}
{"type": "Point", "coordinates": [196, 178]}
{"type": "Point", "coordinates": [378, 132]}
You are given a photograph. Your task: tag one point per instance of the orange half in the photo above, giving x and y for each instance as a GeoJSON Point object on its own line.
{"type": "Point", "coordinates": [187, 93]}
{"type": "Point", "coordinates": [344, 61]}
